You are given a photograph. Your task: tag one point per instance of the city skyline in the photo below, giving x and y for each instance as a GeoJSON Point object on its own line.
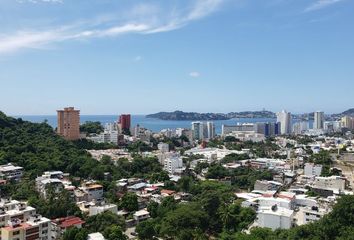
{"type": "Point", "coordinates": [111, 57]}
{"type": "Point", "coordinates": [119, 113]}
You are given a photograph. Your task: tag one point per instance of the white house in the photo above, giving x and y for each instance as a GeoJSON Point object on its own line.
{"type": "Point", "coordinates": [141, 215]}
{"type": "Point", "coordinates": [11, 172]}
{"type": "Point", "coordinates": [334, 183]}
{"type": "Point", "coordinates": [94, 210]}
{"type": "Point", "coordinates": [275, 217]}
{"type": "Point", "coordinates": [312, 169]}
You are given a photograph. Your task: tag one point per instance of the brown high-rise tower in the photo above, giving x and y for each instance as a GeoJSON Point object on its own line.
{"type": "Point", "coordinates": [69, 123]}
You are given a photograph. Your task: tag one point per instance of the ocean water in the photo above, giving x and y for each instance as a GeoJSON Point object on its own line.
{"type": "Point", "coordinates": [154, 125]}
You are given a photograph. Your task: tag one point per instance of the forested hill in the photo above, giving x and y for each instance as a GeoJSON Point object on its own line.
{"type": "Point", "coordinates": [37, 148]}
{"type": "Point", "coordinates": [349, 112]}
{"type": "Point", "coordinates": [188, 116]}
{"type": "Point", "coordinates": [193, 116]}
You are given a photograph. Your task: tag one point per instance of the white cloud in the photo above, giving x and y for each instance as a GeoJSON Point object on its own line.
{"type": "Point", "coordinates": [194, 74]}
{"type": "Point", "coordinates": [203, 8]}
{"type": "Point", "coordinates": [22, 40]}
{"type": "Point", "coordinates": [319, 4]}
{"type": "Point", "coordinates": [142, 19]}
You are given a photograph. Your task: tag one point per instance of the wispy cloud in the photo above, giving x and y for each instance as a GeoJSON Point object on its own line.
{"type": "Point", "coordinates": [319, 4]}
{"type": "Point", "coordinates": [194, 74]}
{"type": "Point", "coordinates": [39, 39]}
{"type": "Point", "coordinates": [143, 19]}
{"type": "Point", "coordinates": [201, 9]}
{"type": "Point", "coordinates": [40, 1]}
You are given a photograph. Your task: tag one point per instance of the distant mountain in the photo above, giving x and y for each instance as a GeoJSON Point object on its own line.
{"type": "Point", "coordinates": [349, 112]}
{"type": "Point", "coordinates": [193, 116]}
{"type": "Point", "coordinates": [252, 114]}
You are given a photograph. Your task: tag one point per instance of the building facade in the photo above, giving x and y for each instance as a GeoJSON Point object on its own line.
{"type": "Point", "coordinates": [125, 122]}
{"type": "Point", "coordinates": [172, 164]}
{"type": "Point", "coordinates": [210, 130]}
{"type": "Point", "coordinates": [284, 118]}
{"type": "Point", "coordinates": [197, 130]}
{"type": "Point", "coordinates": [11, 172]}
{"type": "Point", "coordinates": [312, 169]}
{"type": "Point", "coordinates": [318, 120]}
{"type": "Point", "coordinates": [347, 122]}
{"type": "Point", "coordinates": [69, 123]}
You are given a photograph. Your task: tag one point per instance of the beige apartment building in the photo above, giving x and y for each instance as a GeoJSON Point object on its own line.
{"type": "Point", "coordinates": [36, 228]}
{"type": "Point", "coordinates": [347, 122]}
{"type": "Point", "coordinates": [69, 123]}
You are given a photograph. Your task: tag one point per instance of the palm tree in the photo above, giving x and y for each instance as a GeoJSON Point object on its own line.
{"type": "Point", "coordinates": [227, 217]}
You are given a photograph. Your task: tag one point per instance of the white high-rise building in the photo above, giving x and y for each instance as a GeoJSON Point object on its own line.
{"type": "Point", "coordinates": [300, 127]}
{"type": "Point", "coordinates": [171, 164]}
{"type": "Point", "coordinates": [284, 118]}
{"type": "Point", "coordinates": [210, 130]}
{"type": "Point", "coordinates": [319, 120]}
{"type": "Point", "coordinates": [197, 131]}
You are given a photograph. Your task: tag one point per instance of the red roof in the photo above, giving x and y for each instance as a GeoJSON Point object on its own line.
{"type": "Point", "coordinates": [69, 222]}
{"type": "Point", "coordinates": [22, 225]}
{"type": "Point", "coordinates": [168, 192]}
{"type": "Point", "coordinates": [267, 195]}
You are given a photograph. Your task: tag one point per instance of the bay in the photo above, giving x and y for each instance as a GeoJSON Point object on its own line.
{"type": "Point", "coordinates": [152, 124]}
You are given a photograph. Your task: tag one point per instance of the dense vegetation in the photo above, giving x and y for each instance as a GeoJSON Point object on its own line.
{"type": "Point", "coordinates": [212, 211]}
{"type": "Point", "coordinates": [109, 224]}
{"type": "Point", "coordinates": [37, 148]}
{"type": "Point", "coordinates": [91, 127]}
{"type": "Point", "coordinates": [258, 149]}
{"type": "Point", "coordinates": [241, 177]}
{"type": "Point", "coordinates": [193, 116]}
{"type": "Point", "coordinates": [54, 206]}
{"type": "Point", "coordinates": [91, 145]}
{"type": "Point", "coordinates": [337, 225]}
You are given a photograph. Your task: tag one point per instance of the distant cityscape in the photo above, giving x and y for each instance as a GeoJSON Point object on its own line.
{"type": "Point", "coordinates": [281, 173]}
{"type": "Point", "coordinates": [176, 120]}
{"type": "Point", "coordinates": [199, 130]}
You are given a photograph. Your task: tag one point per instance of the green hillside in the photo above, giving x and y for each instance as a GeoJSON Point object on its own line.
{"type": "Point", "coordinates": [37, 148]}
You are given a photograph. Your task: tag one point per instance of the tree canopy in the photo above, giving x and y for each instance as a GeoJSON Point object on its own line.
{"type": "Point", "coordinates": [91, 127]}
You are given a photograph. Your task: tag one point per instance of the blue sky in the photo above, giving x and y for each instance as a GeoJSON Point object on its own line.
{"type": "Point", "coordinates": [114, 56]}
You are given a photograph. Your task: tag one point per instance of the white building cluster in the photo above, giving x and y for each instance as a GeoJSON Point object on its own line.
{"type": "Point", "coordinates": [52, 181]}
{"type": "Point", "coordinates": [251, 131]}
{"type": "Point", "coordinates": [203, 130]}
{"type": "Point", "coordinates": [11, 172]}
{"type": "Point", "coordinates": [285, 209]}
